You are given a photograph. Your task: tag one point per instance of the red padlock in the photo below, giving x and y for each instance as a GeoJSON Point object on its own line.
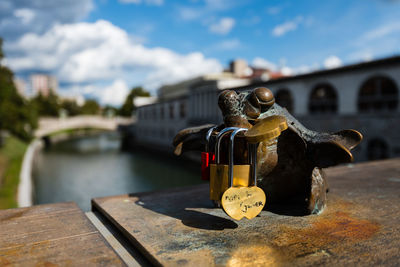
{"type": "Point", "coordinates": [207, 157]}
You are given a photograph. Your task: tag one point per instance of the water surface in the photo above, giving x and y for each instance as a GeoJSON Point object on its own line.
{"type": "Point", "coordinates": [82, 168]}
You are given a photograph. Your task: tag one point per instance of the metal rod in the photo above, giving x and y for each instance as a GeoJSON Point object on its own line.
{"type": "Point", "coordinates": [231, 147]}
{"type": "Point", "coordinates": [254, 162]}
{"type": "Point", "coordinates": [250, 154]}
{"type": "Point", "coordinates": [250, 157]}
{"type": "Point", "coordinates": [208, 135]}
{"type": "Point", "coordinates": [218, 142]}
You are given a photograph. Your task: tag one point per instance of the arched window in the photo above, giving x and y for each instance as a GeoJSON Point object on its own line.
{"type": "Point", "coordinates": [378, 94]}
{"type": "Point", "coordinates": [284, 99]}
{"type": "Point", "coordinates": [323, 99]}
{"type": "Point", "coordinates": [377, 149]}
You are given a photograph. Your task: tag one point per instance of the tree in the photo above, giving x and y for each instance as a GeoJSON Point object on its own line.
{"type": "Point", "coordinates": [91, 107]}
{"type": "Point", "coordinates": [109, 111]}
{"type": "Point", "coordinates": [128, 106]}
{"type": "Point", "coordinates": [17, 115]}
{"type": "Point", "coordinates": [71, 107]}
{"type": "Point", "coordinates": [47, 105]}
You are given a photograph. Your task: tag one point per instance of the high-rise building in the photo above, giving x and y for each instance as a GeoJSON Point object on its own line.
{"type": "Point", "coordinates": [239, 68]}
{"type": "Point", "coordinates": [43, 83]}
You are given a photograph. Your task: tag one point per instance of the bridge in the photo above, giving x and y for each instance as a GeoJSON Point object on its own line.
{"type": "Point", "coordinates": [48, 126]}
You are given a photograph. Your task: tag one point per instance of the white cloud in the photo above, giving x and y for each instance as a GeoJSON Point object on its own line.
{"type": "Point", "coordinates": [287, 71]}
{"type": "Point", "coordinates": [332, 62]}
{"type": "Point", "coordinates": [130, 1]}
{"type": "Point", "coordinates": [207, 10]}
{"type": "Point", "coordinates": [155, 2]}
{"type": "Point", "coordinates": [364, 55]}
{"type": "Point", "coordinates": [382, 31]}
{"type": "Point", "coordinates": [380, 41]}
{"type": "Point", "coordinates": [286, 27]}
{"type": "Point", "coordinates": [176, 67]}
{"type": "Point", "coordinates": [187, 13]}
{"type": "Point", "coordinates": [304, 69]}
{"type": "Point", "coordinates": [148, 2]}
{"type": "Point", "coordinates": [223, 26]}
{"type": "Point", "coordinates": [274, 10]}
{"type": "Point", "coordinates": [115, 93]}
{"type": "Point", "coordinates": [367, 57]}
{"type": "Point", "coordinates": [99, 53]}
{"type": "Point", "coordinates": [25, 14]}
{"type": "Point", "coordinates": [259, 62]}
{"type": "Point", "coordinates": [251, 21]}
{"type": "Point", "coordinates": [219, 4]}
{"type": "Point", "coordinates": [20, 16]}
{"type": "Point", "coordinates": [230, 44]}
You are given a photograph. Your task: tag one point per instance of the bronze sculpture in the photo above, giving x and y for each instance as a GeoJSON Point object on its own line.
{"type": "Point", "coordinates": [288, 168]}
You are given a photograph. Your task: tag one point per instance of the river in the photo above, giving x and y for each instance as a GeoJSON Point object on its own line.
{"type": "Point", "coordinates": [81, 168]}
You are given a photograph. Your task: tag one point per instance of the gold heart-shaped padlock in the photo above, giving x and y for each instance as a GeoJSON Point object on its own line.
{"type": "Point", "coordinates": [239, 202]}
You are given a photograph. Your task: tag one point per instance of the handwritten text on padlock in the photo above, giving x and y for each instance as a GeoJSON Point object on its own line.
{"type": "Point", "coordinates": [239, 202]}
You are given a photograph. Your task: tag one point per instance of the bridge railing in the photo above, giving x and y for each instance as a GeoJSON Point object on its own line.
{"type": "Point", "coordinates": [50, 125]}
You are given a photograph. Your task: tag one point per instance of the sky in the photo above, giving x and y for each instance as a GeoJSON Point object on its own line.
{"type": "Point", "coordinates": [102, 48]}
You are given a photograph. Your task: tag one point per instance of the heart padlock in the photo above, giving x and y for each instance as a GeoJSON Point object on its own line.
{"type": "Point", "coordinates": [248, 201]}
{"type": "Point", "coordinates": [219, 180]}
{"type": "Point", "coordinates": [243, 201]}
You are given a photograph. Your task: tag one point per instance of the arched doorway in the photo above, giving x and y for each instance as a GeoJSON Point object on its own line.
{"type": "Point", "coordinates": [377, 149]}
{"type": "Point", "coordinates": [284, 98]}
{"type": "Point", "coordinates": [323, 99]}
{"type": "Point", "coordinates": [378, 94]}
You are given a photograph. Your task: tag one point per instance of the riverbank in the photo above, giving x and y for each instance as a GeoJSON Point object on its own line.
{"type": "Point", "coordinates": [16, 161]}
{"type": "Point", "coordinates": [96, 158]}
{"type": "Point", "coordinates": [25, 187]}
{"type": "Point", "coordinates": [11, 157]}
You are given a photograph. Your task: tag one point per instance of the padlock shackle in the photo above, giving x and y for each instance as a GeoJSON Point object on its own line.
{"type": "Point", "coordinates": [208, 136]}
{"type": "Point", "coordinates": [231, 147]}
{"type": "Point", "coordinates": [221, 134]}
{"type": "Point", "coordinates": [253, 152]}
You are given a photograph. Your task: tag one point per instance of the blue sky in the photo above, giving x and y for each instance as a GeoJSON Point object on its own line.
{"type": "Point", "coordinates": [102, 48]}
{"type": "Point", "coordinates": [314, 29]}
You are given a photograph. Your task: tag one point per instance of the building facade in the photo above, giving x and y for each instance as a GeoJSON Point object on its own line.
{"type": "Point", "coordinates": [363, 96]}
{"type": "Point", "coordinates": [181, 105]}
{"type": "Point", "coordinates": [43, 84]}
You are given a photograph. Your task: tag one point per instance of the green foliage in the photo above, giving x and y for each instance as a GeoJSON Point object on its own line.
{"type": "Point", "coordinates": [128, 107]}
{"type": "Point", "coordinates": [71, 107]}
{"type": "Point", "coordinates": [11, 157]}
{"type": "Point", "coordinates": [47, 105]}
{"type": "Point", "coordinates": [17, 115]}
{"type": "Point", "coordinates": [110, 111]}
{"type": "Point", "coordinates": [91, 107]}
